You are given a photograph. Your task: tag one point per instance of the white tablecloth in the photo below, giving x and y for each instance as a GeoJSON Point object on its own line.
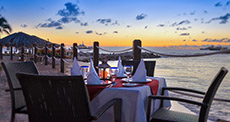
{"type": "Point", "coordinates": [134, 102]}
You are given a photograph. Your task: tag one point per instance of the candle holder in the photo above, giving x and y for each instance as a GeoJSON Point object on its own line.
{"type": "Point", "coordinates": [102, 69]}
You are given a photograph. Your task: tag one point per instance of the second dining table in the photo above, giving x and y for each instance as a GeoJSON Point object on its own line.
{"type": "Point", "coordinates": [134, 99]}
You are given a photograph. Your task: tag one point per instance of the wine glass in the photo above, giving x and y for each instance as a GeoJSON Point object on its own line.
{"type": "Point", "coordinates": [84, 71]}
{"type": "Point", "coordinates": [128, 71]}
{"type": "Point", "coordinates": [113, 73]}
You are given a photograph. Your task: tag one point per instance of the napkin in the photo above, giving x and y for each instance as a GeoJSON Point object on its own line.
{"type": "Point", "coordinates": [93, 78]}
{"type": "Point", "coordinates": [75, 69]}
{"type": "Point", "coordinates": [121, 71]}
{"type": "Point", "coordinates": [140, 74]}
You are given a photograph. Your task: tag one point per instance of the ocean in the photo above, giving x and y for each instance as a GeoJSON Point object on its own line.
{"type": "Point", "coordinates": [194, 73]}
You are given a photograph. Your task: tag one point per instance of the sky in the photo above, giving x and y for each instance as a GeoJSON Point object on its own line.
{"type": "Point", "coordinates": [156, 23]}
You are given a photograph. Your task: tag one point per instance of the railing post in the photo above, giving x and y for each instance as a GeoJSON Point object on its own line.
{"type": "Point", "coordinates": [62, 58]}
{"type": "Point", "coordinates": [75, 53]}
{"type": "Point", "coordinates": [136, 50]}
{"type": "Point", "coordinates": [0, 51]}
{"type": "Point", "coordinates": [96, 55]}
{"type": "Point", "coordinates": [11, 52]}
{"type": "Point", "coordinates": [53, 55]}
{"type": "Point", "coordinates": [46, 54]}
{"type": "Point", "coordinates": [22, 53]}
{"type": "Point", "coordinates": [35, 53]}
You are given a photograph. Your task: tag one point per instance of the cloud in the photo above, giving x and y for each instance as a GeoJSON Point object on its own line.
{"type": "Point", "coordinates": [184, 34]}
{"type": "Point", "coordinates": [89, 32]}
{"type": "Point", "coordinates": [115, 23]}
{"type": "Point", "coordinates": [193, 13]}
{"type": "Point", "coordinates": [223, 40]}
{"type": "Point", "coordinates": [223, 19]}
{"type": "Point", "coordinates": [115, 31]}
{"type": "Point", "coordinates": [228, 3]}
{"type": "Point", "coordinates": [181, 23]}
{"type": "Point", "coordinates": [68, 14]}
{"type": "Point", "coordinates": [184, 22]}
{"type": "Point", "coordinates": [141, 16]}
{"type": "Point", "coordinates": [65, 20]}
{"type": "Point", "coordinates": [2, 8]}
{"type": "Point", "coordinates": [100, 34]}
{"type": "Point", "coordinates": [24, 25]}
{"type": "Point", "coordinates": [184, 46]}
{"type": "Point", "coordinates": [49, 24]}
{"type": "Point", "coordinates": [70, 10]}
{"type": "Point", "coordinates": [107, 21]}
{"type": "Point", "coordinates": [218, 4]}
{"type": "Point", "coordinates": [194, 40]}
{"type": "Point", "coordinates": [104, 21]}
{"type": "Point", "coordinates": [161, 25]}
{"type": "Point", "coordinates": [84, 24]}
{"type": "Point", "coordinates": [59, 27]}
{"type": "Point", "coordinates": [181, 28]}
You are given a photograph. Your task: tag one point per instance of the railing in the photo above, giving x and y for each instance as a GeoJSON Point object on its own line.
{"type": "Point", "coordinates": [136, 53]}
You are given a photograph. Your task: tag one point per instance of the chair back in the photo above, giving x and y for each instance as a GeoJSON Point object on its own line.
{"type": "Point", "coordinates": [55, 98]}
{"type": "Point", "coordinates": [209, 96]}
{"type": "Point", "coordinates": [11, 68]}
{"type": "Point", "coordinates": [149, 66]}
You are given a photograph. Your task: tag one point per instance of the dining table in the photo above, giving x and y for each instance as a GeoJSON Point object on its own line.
{"type": "Point", "coordinates": [134, 98]}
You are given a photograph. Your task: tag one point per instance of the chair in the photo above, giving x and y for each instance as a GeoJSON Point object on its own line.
{"type": "Point", "coordinates": [18, 104]}
{"type": "Point", "coordinates": [169, 115]}
{"type": "Point", "coordinates": [149, 66]}
{"type": "Point", "coordinates": [60, 99]}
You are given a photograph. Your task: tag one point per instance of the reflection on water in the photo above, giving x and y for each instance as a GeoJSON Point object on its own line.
{"type": "Point", "coordinates": [196, 73]}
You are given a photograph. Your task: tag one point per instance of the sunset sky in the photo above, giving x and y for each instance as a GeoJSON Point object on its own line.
{"type": "Point", "coordinates": [119, 22]}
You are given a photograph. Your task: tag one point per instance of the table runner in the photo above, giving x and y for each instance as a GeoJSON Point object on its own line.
{"type": "Point", "coordinates": [94, 90]}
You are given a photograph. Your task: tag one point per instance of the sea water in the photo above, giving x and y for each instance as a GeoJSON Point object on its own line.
{"type": "Point", "coordinates": [194, 73]}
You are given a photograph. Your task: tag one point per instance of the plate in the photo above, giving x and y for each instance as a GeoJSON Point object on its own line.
{"type": "Point", "coordinates": [131, 84]}
{"type": "Point", "coordinates": [131, 80]}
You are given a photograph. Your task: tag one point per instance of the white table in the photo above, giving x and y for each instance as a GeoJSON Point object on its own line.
{"type": "Point", "coordinates": [134, 102]}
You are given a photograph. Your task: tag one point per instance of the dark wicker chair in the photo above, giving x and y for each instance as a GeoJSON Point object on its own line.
{"type": "Point", "coordinates": [149, 66]}
{"type": "Point", "coordinates": [17, 99]}
{"type": "Point", "coordinates": [60, 99]}
{"type": "Point", "coordinates": [174, 116]}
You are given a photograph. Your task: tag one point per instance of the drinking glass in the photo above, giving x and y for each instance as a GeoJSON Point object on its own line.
{"type": "Point", "coordinates": [113, 73]}
{"type": "Point", "coordinates": [84, 71]}
{"type": "Point", "coordinates": [128, 71]}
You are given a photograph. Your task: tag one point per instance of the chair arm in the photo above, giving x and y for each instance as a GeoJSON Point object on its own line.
{"type": "Point", "coordinates": [182, 89]}
{"type": "Point", "coordinates": [7, 90]}
{"type": "Point", "coordinates": [178, 99]}
{"type": "Point", "coordinates": [117, 103]}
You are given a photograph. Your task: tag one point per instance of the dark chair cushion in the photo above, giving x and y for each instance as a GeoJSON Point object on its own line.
{"type": "Point", "coordinates": [169, 115]}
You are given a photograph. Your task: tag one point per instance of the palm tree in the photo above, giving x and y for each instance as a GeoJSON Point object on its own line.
{"type": "Point", "coordinates": [4, 26]}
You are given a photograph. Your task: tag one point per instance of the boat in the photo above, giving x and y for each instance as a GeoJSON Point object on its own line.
{"type": "Point", "coordinates": [82, 46]}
